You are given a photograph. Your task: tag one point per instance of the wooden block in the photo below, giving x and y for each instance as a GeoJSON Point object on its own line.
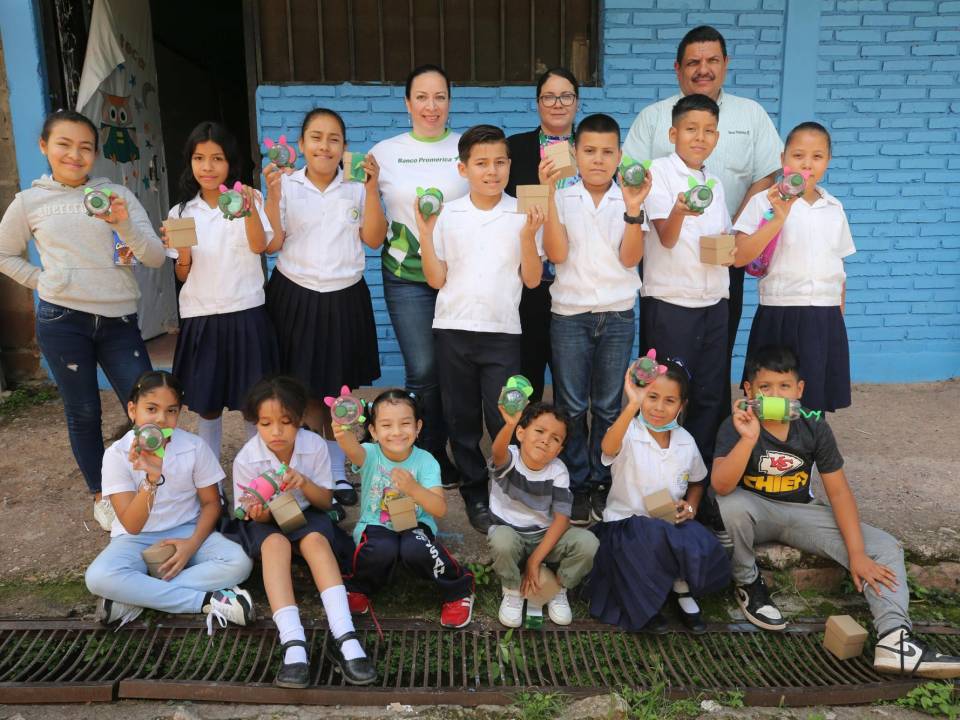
{"type": "Point", "coordinates": [181, 232]}
{"type": "Point", "coordinates": [353, 167]}
{"type": "Point", "coordinates": [715, 249]}
{"type": "Point", "coordinates": [403, 513]}
{"type": "Point", "coordinates": [286, 511]}
{"type": "Point", "coordinates": [844, 637]}
{"type": "Point", "coordinates": [660, 504]}
{"type": "Point", "coordinates": [563, 159]}
{"type": "Point", "coordinates": [549, 586]}
{"type": "Point", "coordinates": [529, 196]}
{"type": "Point", "coordinates": [155, 556]}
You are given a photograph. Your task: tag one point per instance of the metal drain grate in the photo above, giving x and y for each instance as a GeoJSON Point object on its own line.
{"type": "Point", "coordinates": [419, 663]}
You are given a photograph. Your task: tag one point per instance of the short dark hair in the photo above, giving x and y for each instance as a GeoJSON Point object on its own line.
{"type": "Point", "coordinates": [423, 70]}
{"type": "Point", "coordinates": [288, 391]}
{"type": "Point", "coordinates": [690, 103]}
{"type": "Point", "coordinates": [534, 410]}
{"type": "Point", "coordinates": [810, 126]}
{"type": "Point", "coordinates": [775, 358]}
{"type": "Point", "coordinates": [597, 123]}
{"type": "Point", "coordinates": [395, 396]}
{"type": "Point", "coordinates": [480, 135]}
{"type": "Point", "coordinates": [153, 379]}
{"type": "Point", "coordinates": [317, 112]}
{"type": "Point", "coordinates": [73, 116]}
{"type": "Point", "coordinates": [558, 72]}
{"type": "Point", "coordinates": [700, 34]}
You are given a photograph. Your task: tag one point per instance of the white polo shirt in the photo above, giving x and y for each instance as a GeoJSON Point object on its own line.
{"type": "Point", "coordinates": [188, 464]}
{"type": "Point", "coordinates": [643, 467]}
{"type": "Point", "coordinates": [226, 276]}
{"type": "Point", "coordinates": [807, 264]}
{"type": "Point", "coordinates": [322, 249]}
{"type": "Point", "coordinates": [676, 274]}
{"type": "Point", "coordinates": [592, 278]}
{"type": "Point", "coordinates": [748, 148]}
{"type": "Point", "coordinates": [310, 459]}
{"type": "Point", "coordinates": [482, 251]}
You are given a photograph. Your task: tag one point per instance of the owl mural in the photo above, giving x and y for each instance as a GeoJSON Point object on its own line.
{"type": "Point", "coordinates": [118, 135]}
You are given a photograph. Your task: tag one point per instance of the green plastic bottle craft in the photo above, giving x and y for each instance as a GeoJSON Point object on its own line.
{"type": "Point", "coordinates": [515, 394]}
{"type": "Point", "coordinates": [96, 202]}
{"type": "Point", "coordinates": [429, 201]}
{"type": "Point", "coordinates": [776, 409]}
{"type": "Point", "coordinates": [152, 438]}
{"type": "Point", "coordinates": [699, 197]}
{"type": "Point", "coordinates": [633, 172]}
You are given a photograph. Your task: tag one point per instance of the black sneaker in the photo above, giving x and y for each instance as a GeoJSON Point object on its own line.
{"type": "Point", "coordinates": [902, 653]}
{"type": "Point", "coordinates": [657, 625]}
{"type": "Point", "coordinates": [479, 516]}
{"type": "Point", "coordinates": [345, 492]}
{"type": "Point", "coordinates": [754, 600]}
{"type": "Point", "coordinates": [598, 501]}
{"type": "Point", "coordinates": [580, 515]}
{"type": "Point", "coordinates": [449, 475]}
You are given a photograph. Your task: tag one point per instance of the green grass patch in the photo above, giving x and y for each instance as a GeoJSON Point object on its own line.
{"type": "Point", "coordinates": [26, 396]}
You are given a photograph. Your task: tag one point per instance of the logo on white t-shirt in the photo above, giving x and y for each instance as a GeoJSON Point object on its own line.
{"type": "Point", "coordinates": [775, 462]}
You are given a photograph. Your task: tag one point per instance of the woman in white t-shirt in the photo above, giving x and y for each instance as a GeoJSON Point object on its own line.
{"type": "Point", "coordinates": [423, 158]}
{"type": "Point", "coordinates": [226, 341]}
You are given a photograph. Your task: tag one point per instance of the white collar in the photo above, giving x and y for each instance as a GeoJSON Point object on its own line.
{"type": "Point", "coordinates": [612, 194]}
{"type": "Point", "coordinates": [259, 452]}
{"type": "Point", "coordinates": [300, 176]}
{"type": "Point", "coordinates": [681, 167]}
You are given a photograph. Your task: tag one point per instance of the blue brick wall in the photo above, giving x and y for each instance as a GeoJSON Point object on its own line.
{"type": "Point", "coordinates": [887, 76]}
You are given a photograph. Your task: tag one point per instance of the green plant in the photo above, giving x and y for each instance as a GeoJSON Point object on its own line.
{"type": "Point", "coordinates": [539, 706]}
{"type": "Point", "coordinates": [933, 698]}
{"type": "Point", "coordinates": [482, 574]}
{"type": "Point", "coordinates": [509, 652]}
{"type": "Point", "coordinates": [731, 698]}
{"type": "Point", "coordinates": [26, 396]}
{"type": "Point", "coordinates": [654, 704]}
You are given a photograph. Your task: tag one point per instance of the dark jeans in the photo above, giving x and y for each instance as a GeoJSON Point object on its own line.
{"type": "Point", "coordinates": [411, 306]}
{"type": "Point", "coordinates": [74, 343]}
{"type": "Point", "coordinates": [734, 312]}
{"type": "Point", "coordinates": [474, 367]}
{"type": "Point", "coordinates": [535, 336]}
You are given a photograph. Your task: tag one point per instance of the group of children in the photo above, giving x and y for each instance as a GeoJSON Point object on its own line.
{"type": "Point", "coordinates": [315, 322]}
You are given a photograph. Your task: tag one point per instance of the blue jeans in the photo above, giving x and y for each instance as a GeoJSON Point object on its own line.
{"type": "Point", "coordinates": [119, 572]}
{"type": "Point", "coordinates": [591, 352]}
{"type": "Point", "coordinates": [74, 343]}
{"type": "Point", "coordinates": [411, 306]}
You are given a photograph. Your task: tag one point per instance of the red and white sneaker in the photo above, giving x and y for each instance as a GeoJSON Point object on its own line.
{"type": "Point", "coordinates": [358, 602]}
{"type": "Point", "coordinates": [457, 613]}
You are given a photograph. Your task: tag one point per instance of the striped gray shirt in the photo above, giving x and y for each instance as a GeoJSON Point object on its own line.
{"type": "Point", "coordinates": [526, 499]}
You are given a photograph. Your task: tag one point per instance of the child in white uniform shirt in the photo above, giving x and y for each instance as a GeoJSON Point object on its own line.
{"type": "Point", "coordinates": [478, 253]}
{"type": "Point", "coordinates": [226, 342]}
{"type": "Point", "coordinates": [596, 251]}
{"type": "Point", "coordinates": [802, 294]}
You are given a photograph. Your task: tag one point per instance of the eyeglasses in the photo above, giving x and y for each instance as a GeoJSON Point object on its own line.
{"type": "Point", "coordinates": [567, 99]}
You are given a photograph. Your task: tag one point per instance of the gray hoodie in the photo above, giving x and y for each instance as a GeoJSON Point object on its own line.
{"type": "Point", "coordinates": [76, 250]}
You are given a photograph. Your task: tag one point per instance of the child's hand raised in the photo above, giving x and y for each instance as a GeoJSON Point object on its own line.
{"type": "Point", "coordinates": [403, 480]}
{"type": "Point", "coordinates": [274, 177]}
{"type": "Point", "coordinates": [634, 392]}
{"type": "Point", "coordinates": [535, 219]}
{"type": "Point", "coordinates": [781, 207]}
{"type": "Point", "coordinates": [547, 172]}
{"type": "Point", "coordinates": [372, 169]}
{"type": "Point", "coordinates": [634, 195]}
{"type": "Point", "coordinates": [145, 461]}
{"type": "Point", "coordinates": [424, 225]}
{"type": "Point", "coordinates": [745, 422]}
{"type": "Point", "coordinates": [511, 420]}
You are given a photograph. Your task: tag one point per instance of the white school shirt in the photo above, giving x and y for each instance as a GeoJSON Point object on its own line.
{"type": "Point", "coordinates": [188, 464]}
{"type": "Point", "coordinates": [807, 264]}
{"type": "Point", "coordinates": [643, 467]}
{"type": "Point", "coordinates": [321, 250]}
{"type": "Point", "coordinates": [310, 458]}
{"type": "Point", "coordinates": [226, 276]}
{"type": "Point", "coordinates": [748, 148]}
{"type": "Point", "coordinates": [482, 251]}
{"type": "Point", "coordinates": [676, 274]}
{"type": "Point", "coordinates": [592, 278]}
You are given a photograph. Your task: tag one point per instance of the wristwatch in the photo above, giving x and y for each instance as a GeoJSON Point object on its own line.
{"type": "Point", "coordinates": [634, 219]}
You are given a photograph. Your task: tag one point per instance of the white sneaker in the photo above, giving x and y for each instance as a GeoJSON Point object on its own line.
{"type": "Point", "coordinates": [234, 605]}
{"type": "Point", "coordinates": [558, 608]}
{"type": "Point", "coordinates": [103, 513]}
{"type": "Point", "coordinates": [110, 611]}
{"type": "Point", "coordinates": [901, 653]}
{"type": "Point", "coordinates": [511, 608]}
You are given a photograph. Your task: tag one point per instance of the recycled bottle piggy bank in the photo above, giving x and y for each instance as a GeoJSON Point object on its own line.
{"type": "Point", "coordinates": [515, 394]}
{"type": "Point", "coordinates": [646, 369]}
{"type": "Point", "coordinates": [280, 152]}
{"type": "Point", "coordinates": [699, 197]}
{"type": "Point", "coordinates": [345, 410]}
{"type": "Point", "coordinates": [633, 172]}
{"type": "Point", "coordinates": [152, 438]}
{"type": "Point", "coordinates": [261, 490]}
{"type": "Point", "coordinates": [232, 203]}
{"type": "Point", "coordinates": [792, 183]}
{"type": "Point", "coordinates": [96, 202]}
{"type": "Point", "coordinates": [772, 408]}
{"type": "Point", "coordinates": [760, 265]}
{"type": "Point", "coordinates": [429, 201]}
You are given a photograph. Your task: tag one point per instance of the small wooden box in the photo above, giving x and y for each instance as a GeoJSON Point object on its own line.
{"type": "Point", "coordinates": [287, 512]}
{"type": "Point", "coordinates": [530, 196]}
{"type": "Point", "coordinates": [660, 504]}
{"type": "Point", "coordinates": [563, 159]}
{"type": "Point", "coordinates": [844, 637]}
{"type": "Point", "coordinates": [353, 167]}
{"type": "Point", "coordinates": [715, 249]}
{"type": "Point", "coordinates": [549, 586]}
{"type": "Point", "coordinates": [403, 513]}
{"type": "Point", "coordinates": [181, 232]}
{"type": "Point", "coordinates": [155, 556]}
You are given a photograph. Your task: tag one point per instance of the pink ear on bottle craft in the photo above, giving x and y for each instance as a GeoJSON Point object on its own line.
{"type": "Point", "coordinates": [223, 188]}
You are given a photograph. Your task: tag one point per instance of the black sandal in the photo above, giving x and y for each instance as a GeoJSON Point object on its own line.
{"type": "Point", "coordinates": [693, 621]}
{"type": "Point", "coordinates": [359, 671]}
{"type": "Point", "coordinates": [293, 675]}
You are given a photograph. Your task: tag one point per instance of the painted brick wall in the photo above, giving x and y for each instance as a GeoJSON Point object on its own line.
{"type": "Point", "coordinates": [897, 303]}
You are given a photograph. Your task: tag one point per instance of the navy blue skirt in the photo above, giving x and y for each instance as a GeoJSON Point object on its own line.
{"type": "Point", "coordinates": [818, 336]}
{"type": "Point", "coordinates": [638, 560]}
{"type": "Point", "coordinates": [327, 339]}
{"type": "Point", "coordinates": [220, 357]}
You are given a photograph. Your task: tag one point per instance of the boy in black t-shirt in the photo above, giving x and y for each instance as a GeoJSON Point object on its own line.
{"type": "Point", "coordinates": [761, 474]}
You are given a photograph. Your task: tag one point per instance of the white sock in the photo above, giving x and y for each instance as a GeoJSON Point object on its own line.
{"type": "Point", "coordinates": [337, 460]}
{"type": "Point", "coordinates": [251, 429]}
{"type": "Point", "coordinates": [687, 604]}
{"type": "Point", "coordinates": [212, 433]}
{"type": "Point", "coordinates": [338, 618]}
{"type": "Point", "coordinates": [287, 620]}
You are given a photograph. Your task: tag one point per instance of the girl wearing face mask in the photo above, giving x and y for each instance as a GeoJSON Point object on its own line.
{"type": "Point", "coordinates": [641, 559]}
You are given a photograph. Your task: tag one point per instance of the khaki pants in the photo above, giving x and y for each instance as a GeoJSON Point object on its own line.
{"type": "Point", "coordinates": [572, 556]}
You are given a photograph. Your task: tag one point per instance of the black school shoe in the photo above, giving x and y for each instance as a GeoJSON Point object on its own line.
{"type": "Point", "coordinates": [598, 502]}
{"type": "Point", "coordinates": [754, 600]}
{"type": "Point", "coordinates": [292, 675]}
{"type": "Point", "coordinates": [657, 625]}
{"type": "Point", "coordinates": [580, 514]}
{"type": "Point", "coordinates": [359, 671]}
{"type": "Point", "coordinates": [901, 653]}
{"type": "Point", "coordinates": [692, 621]}
{"type": "Point", "coordinates": [345, 492]}
{"type": "Point", "coordinates": [479, 516]}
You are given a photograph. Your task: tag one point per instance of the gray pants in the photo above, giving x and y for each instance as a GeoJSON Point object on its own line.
{"type": "Point", "coordinates": [811, 528]}
{"type": "Point", "coordinates": [573, 554]}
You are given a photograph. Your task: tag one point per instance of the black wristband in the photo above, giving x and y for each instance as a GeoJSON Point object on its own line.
{"type": "Point", "coordinates": [634, 219]}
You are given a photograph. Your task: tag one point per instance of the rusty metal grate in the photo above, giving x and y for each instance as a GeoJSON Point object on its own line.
{"type": "Point", "coordinates": [419, 663]}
